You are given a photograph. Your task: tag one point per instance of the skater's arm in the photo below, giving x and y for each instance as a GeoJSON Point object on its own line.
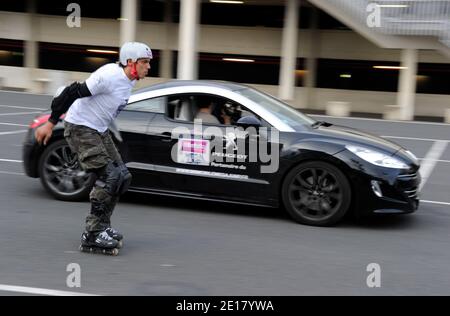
{"type": "Point", "coordinates": [62, 103]}
{"type": "Point", "coordinates": [97, 83]}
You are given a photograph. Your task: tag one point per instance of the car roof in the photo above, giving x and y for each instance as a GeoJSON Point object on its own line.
{"type": "Point", "coordinates": [203, 83]}
{"type": "Point", "coordinates": [222, 88]}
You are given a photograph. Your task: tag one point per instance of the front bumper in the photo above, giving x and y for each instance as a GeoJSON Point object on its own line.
{"type": "Point", "coordinates": [30, 155]}
{"type": "Point", "coordinates": [396, 191]}
{"type": "Point", "coordinates": [399, 197]}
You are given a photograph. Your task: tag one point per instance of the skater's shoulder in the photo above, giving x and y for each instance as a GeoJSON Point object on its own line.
{"type": "Point", "coordinates": [106, 78]}
{"type": "Point", "coordinates": [109, 70]}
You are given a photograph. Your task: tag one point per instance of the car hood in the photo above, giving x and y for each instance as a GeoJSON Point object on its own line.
{"type": "Point", "coordinates": [351, 136]}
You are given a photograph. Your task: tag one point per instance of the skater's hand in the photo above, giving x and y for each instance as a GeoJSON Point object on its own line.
{"type": "Point", "coordinates": [44, 133]}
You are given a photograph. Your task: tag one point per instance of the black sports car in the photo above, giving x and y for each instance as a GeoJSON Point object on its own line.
{"type": "Point", "coordinates": [250, 149]}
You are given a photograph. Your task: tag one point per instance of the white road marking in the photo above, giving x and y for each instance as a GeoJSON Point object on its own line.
{"type": "Point", "coordinates": [434, 202]}
{"type": "Point", "coordinates": [447, 161]}
{"type": "Point", "coordinates": [21, 161]}
{"type": "Point", "coordinates": [12, 173]}
{"type": "Point", "coordinates": [19, 113]}
{"type": "Point", "coordinates": [11, 160]}
{"type": "Point", "coordinates": [11, 124]}
{"type": "Point", "coordinates": [379, 120]}
{"type": "Point", "coordinates": [414, 138]}
{"type": "Point", "coordinates": [430, 160]}
{"type": "Point", "coordinates": [423, 201]}
{"type": "Point", "coordinates": [20, 107]}
{"type": "Point", "coordinates": [14, 132]}
{"type": "Point", "coordinates": [24, 92]}
{"type": "Point", "coordinates": [39, 291]}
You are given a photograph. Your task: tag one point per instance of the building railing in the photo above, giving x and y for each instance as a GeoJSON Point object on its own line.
{"type": "Point", "coordinates": [404, 17]}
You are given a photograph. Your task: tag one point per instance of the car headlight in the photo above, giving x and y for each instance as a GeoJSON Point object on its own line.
{"type": "Point", "coordinates": [412, 156]}
{"type": "Point", "coordinates": [377, 158]}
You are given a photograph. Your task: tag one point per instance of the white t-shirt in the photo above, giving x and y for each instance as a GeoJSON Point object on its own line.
{"type": "Point", "coordinates": [207, 118]}
{"type": "Point", "coordinates": [110, 89]}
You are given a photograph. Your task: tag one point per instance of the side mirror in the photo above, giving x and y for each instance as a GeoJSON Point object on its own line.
{"type": "Point", "coordinates": [249, 121]}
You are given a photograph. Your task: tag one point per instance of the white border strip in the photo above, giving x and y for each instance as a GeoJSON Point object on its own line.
{"type": "Point", "coordinates": [38, 291]}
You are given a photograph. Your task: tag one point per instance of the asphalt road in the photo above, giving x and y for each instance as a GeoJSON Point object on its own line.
{"type": "Point", "coordinates": [179, 247]}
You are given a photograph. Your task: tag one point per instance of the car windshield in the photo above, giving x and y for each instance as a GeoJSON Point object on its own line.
{"type": "Point", "coordinates": [282, 111]}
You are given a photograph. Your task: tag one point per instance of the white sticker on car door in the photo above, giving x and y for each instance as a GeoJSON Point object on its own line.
{"type": "Point", "coordinates": [194, 152]}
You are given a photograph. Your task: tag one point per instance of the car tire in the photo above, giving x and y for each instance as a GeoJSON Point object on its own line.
{"type": "Point", "coordinates": [316, 193]}
{"type": "Point", "coordinates": [61, 174]}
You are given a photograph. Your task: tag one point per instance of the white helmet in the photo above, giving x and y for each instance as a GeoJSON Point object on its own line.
{"type": "Point", "coordinates": [134, 51]}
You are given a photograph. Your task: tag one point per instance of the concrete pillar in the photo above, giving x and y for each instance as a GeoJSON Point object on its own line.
{"type": "Point", "coordinates": [31, 47]}
{"type": "Point", "coordinates": [31, 54]}
{"type": "Point", "coordinates": [128, 21]}
{"type": "Point", "coordinates": [167, 55]}
{"type": "Point", "coordinates": [407, 84]}
{"type": "Point", "coordinates": [311, 61]}
{"type": "Point", "coordinates": [289, 51]}
{"type": "Point", "coordinates": [188, 36]}
{"type": "Point", "coordinates": [447, 115]}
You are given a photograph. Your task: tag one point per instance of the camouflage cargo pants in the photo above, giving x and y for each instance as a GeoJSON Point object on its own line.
{"type": "Point", "coordinates": [95, 150]}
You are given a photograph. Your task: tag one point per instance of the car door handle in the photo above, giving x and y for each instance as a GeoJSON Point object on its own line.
{"type": "Point", "coordinates": [209, 137]}
{"type": "Point", "coordinates": [166, 137]}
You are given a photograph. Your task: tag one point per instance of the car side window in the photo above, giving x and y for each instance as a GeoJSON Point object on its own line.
{"type": "Point", "coordinates": [211, 109]}
{"type": "Point", "coordinates": [179, 108]}
{"type": "Point", "coordinates": [155, 105]}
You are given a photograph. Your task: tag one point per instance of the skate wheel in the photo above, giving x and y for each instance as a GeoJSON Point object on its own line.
{"type": "Point", "coordinates": [103, 251]}
{"type": "Point", "coordinates": [110, 252]}
{"type": "Point", "coordinates": [120, 244]}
